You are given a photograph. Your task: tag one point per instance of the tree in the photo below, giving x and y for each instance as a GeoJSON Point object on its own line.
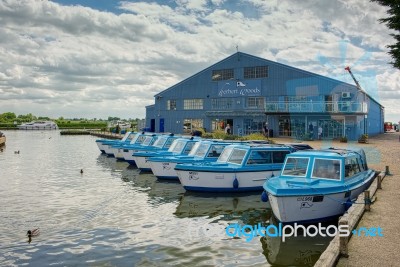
{"type": "Point", "coordinates": [8, 117]}
{"type": "Point", "coordinates": [393, 22]}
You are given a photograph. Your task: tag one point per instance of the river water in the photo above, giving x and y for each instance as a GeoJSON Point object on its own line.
{"type": "Point", "coordinates": [110, 215]}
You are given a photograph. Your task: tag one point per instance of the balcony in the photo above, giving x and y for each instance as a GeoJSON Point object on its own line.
{"type": "Point", "coordinates": [316, 107]}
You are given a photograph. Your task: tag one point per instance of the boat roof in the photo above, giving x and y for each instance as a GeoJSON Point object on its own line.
{"type": "Point", "coordinates": [261, 146]}
{"type": "Point", "coordinates": [330, 152]}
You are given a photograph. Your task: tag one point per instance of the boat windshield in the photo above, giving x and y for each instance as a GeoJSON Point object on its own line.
{"type": "Point", "coordinates": [326, 169]}
{"type": "Point", "coordinates": [225, 154]}
{"type": "Point", "coordinates": [295, 166]}
{"type": "Point", "coordinates": [126, 136]}
{"type": "Point", "coordinates": [194, 149]}
{"type": "Point", "coordinates": [237, 156]}
{"type": "Point", "coordinates": [160, 142]}
{"type": "Point", "coordinates": [148, 141]}
{"type": "Point", "coordinates": [177, 146]}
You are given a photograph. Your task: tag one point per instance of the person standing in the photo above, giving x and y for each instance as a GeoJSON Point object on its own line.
{"type": "Point", "coordinates": [311, 130]}
{"type": "Point", "coordinates": [228, 129]}
{"type": "Point", "coordinates": [319, 132]}
{"type": "Point", "coordinates": [265, 130]}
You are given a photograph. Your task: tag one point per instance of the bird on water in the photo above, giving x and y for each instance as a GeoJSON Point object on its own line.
{"type": "Point", "coordinates": [32, 233]}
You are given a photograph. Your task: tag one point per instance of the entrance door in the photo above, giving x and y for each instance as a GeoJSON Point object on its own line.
{"type": "Point", "coordinates": [161, 125]}
{"type": "Point", "coordinates": [230, 122]}
{"type": "Point", "coordinates": [331, 129]}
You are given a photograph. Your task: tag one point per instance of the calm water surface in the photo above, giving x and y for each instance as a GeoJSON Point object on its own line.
{"type": "Point", "coordinates": [113, 216]}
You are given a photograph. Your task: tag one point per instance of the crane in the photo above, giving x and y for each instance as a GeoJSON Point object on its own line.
{"type": "Point", "coordinates": [354, 78]}
{"type": "Point", "coordinates": [364, 104]}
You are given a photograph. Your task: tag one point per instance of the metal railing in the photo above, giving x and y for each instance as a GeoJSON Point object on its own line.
{"type": "Point", "coordinates": [316, 107]}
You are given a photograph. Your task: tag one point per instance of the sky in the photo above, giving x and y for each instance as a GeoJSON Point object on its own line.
{"type": "Point", "coordinates": [101, 58]}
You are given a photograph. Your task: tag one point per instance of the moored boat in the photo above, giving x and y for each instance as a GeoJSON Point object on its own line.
{"type": "Point", "coordinates": [180, 146]}
{"type": "Point", "coordinates": [38, 125]}
{"type": "Point", "coordinates": [318, 185]}
{"type": "Point", "coordinates": [240, 167]}
{"type": "Point", "coordinates": [101, 143]}
{"type": "Point", "coordinates": [202, 151]}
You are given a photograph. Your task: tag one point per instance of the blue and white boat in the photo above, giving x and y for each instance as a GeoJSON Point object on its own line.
{"type": "Point", "coordinates": [138, 139]}
{"type": "Point", "coordinates": [128, 150]}
{"type": "Point", "coordinates": [102, 144]}
{"type": "Point", "coordinates": [202, 151]}
{"type": "Point", "coordinates": [179, 146]}
{"type": "Point", "coordinates": [240, 167]}
{"type": "Point", "coordinates": [318, 185]}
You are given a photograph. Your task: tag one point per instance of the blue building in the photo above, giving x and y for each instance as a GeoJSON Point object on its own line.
{"type": "Point", "coordinates": [248, 92]}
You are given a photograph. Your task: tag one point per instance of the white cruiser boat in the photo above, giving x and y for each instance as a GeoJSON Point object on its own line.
{"type": "Point", "coordinates": [38, 125]}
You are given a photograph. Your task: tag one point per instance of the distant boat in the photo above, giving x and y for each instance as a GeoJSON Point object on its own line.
{"type": "Point", "coordinates": [318, 185]}
{"type": "Point", "coordinates": [38, 125]}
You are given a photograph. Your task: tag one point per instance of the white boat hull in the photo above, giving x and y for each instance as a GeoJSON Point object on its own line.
{"type": "Point", "coordinates": [117, 152]}
{"type": "Point", "coordinates": [142, 163]}
{"type": "Point", "coordinates": [109, 150]}
{"type": "Point", "coordinates": [128, 156]}
{"type": "Point", "coordinates": [311, 208]}
{"type": "Point", "coordinates": [164, 170]}
{"type": "Point", "coordinates": [223, 181]}
{"type": "Point", "coordinates": [101, 147]}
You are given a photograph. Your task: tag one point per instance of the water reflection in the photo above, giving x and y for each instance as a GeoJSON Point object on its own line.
{"type": "Point", "coordinates": [295, 251]}
{"type": "Point", "coordinates": [246, 207]}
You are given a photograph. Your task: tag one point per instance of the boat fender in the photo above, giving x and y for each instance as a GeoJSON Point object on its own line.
{"type": "Point", "coordinates": [347, 204]}
{"type": "Point", "coordinates": [264, 196]}
{"type": "Point", "coordinates": [235, 183]}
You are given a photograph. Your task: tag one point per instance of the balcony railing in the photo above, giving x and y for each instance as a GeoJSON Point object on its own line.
{"type": "Point", "coordinates": [316, 107]}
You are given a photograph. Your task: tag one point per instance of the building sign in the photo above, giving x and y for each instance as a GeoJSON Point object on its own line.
{"type": "Point", "coordinates": [237, 88]}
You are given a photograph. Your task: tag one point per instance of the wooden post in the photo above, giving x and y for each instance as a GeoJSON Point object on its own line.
{"type": "Point", "coordinates": [344, 240]}
{"type": "Point", "coordinates": [379, 185]}
{"type": "Point", "coordinates": [367, 200]}
{"type": "Point", "coordinates": [387, 172]}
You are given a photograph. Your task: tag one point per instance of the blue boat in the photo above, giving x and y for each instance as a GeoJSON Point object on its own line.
{"type": "Point", "coordinates": [127, 150]}
{"type": "Point", "coordinates": [157, 143]}
{"type": "Point", "coordinates": [180, 146]}
{"type": "Point", "coordinates": [318, 185]}
{"type": "Point", "coordinates": [204, 150]}
{"type": "Point", "coordinates": [240, 167]}
{"type": "Point", "coordinates": [118, 149]}
{"type": "Point", "coordinates": [102, 143]}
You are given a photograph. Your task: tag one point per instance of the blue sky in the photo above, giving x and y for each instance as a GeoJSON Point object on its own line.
{"type": "Point", "coordinates": [100, 58]}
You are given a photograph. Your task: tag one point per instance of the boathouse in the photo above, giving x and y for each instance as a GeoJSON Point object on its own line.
{"type": "Point", "coordinates": [249, 92]}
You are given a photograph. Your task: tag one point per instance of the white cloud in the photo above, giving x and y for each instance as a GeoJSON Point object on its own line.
{"type": "Point", "coordinates": [83, 62]}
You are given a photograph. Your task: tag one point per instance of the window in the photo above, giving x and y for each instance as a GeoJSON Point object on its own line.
{"type": "Point", "coordinates": [225, 154]}
{"type": "Point", "coordinates": [221, 75]}
{"type": "Point", "coordinates": [171, 105]}
{"type": "Point", "coordinates": [221, 103]}
{"type": "Point", "coordinates": [351, 167]}
{"type": "Point", "coordinates": [255, 102]}
{"type": "Point", "coordinates": [279, 156]}
{"type": "Point", "coordinates": [295, 167]}
{"type": "Point", "coordinates": [190, 125]}
{"type": "Point", "coordinates": [256, 72]}
{"type": "Point", "coordinates": [326, 169]}
{"type": "Point", "coordinates": [193, 103]}
{"type": "Point", "coordinates": [259, 157]}
{"type": "Point", "coordinates": [237, 156]}
{"type": "Point", "coordinates": [215, 151]}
